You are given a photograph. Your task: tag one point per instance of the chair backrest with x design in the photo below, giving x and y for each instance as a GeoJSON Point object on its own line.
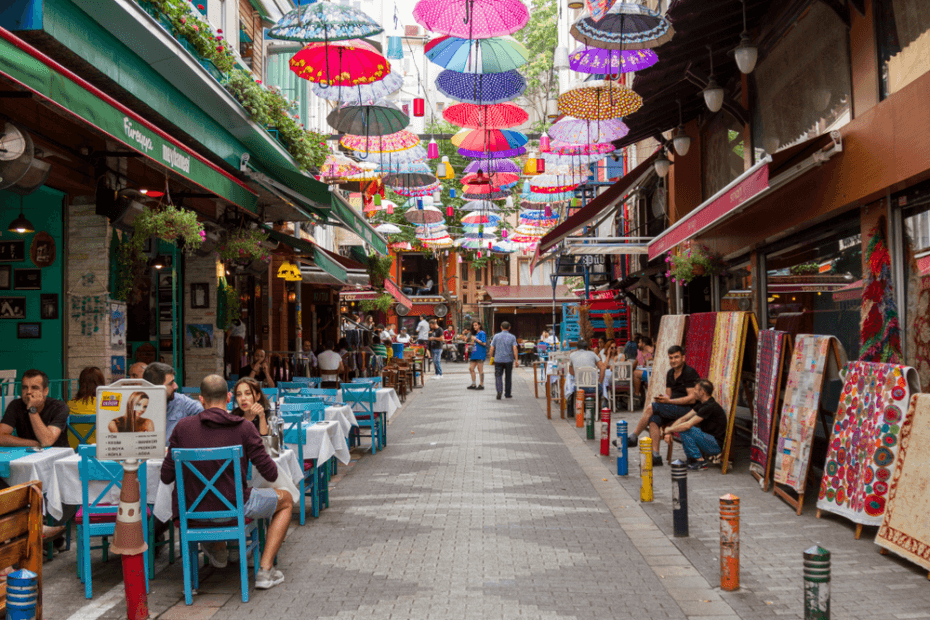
{"type": "Point", "coordinates": [294, 434]}
{"type": "Point", "coordinates": [329, 395]}
{"type": "Point", "coordinates": [94, 503]}
{"type": "Point", "coordinates": [222, 460]}
{"type": "Point", "coordinates": [308, 381]}
{"type": "Point", "coordinates": [83, 439]}
{"type": "Point", "coordinates": [360, 397]}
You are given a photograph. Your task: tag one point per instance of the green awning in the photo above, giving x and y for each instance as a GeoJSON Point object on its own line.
{"type": "Point", "coordinates": [61, 89]}
{"type": "Point", "coordinates": [357, 223]}
{"type": "Point", "coordinates": [310, 250]}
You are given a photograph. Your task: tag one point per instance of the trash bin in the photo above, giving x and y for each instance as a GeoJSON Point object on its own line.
{"type": "Point", "coordinates": [398, 350]}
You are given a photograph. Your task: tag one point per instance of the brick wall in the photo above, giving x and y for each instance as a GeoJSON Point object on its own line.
{"type": "Point", "coordinates": [200, 362]}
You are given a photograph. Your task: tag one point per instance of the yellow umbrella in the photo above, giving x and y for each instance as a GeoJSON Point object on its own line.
{"type": "Point", "coordinates": [599, 100]}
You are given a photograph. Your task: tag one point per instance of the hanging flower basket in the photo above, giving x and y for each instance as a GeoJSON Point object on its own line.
{"type": "Point", "coordinates": [693, 262]}
{"type": "Point", "coordinates": [244, 246]}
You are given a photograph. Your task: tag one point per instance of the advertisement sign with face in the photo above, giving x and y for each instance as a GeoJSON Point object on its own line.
{"type": "Point", "coordinates": [131, 420]}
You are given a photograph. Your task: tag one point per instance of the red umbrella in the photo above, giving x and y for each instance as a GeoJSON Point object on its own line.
{"type": "Point", "coordinates": [496, 179]}
{"type": "Point", "coordinates": [488, 139]}
{"type": "Point", "coordinates": [497, 116]}
{"type": "Point", "coordinates": [340, 63]}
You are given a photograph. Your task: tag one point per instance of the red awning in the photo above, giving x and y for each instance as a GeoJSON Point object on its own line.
{"type": "Point", "coordinates": [590, 211]}
{"type": "Point", "coordinates": [391, 287]}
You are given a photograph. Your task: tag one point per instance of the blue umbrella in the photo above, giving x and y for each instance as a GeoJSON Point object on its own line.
{"type": "Point", "coordinates": [324, 21]}
{"type": "Point", "coordinates": [485, 88]}
{"type": "Point", "coordinates": [477, 56]}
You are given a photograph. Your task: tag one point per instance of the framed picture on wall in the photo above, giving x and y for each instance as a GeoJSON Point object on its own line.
{"type": "Point", "coordinates": [12, 251]}
{"type": "Point", "coordinates": [12, 308]}
{"type": "Point", "coordinates": [6, 277]}
{"type": "Point", "coordinates": [200, 295]}
{"type": "Point", "coordinates": [48, 306]}
{"type": "Point", "coordinates": [27, 279]}
{"type": "Point", "coordinates": [28, 331]}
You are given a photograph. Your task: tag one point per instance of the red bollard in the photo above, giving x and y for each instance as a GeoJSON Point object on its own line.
{"type": "Point", "coordinates": [605, 431]}
{"type": "Point", "coordinates": [729, 543]}
{"type": "Point", "coordinates": [129, 541]}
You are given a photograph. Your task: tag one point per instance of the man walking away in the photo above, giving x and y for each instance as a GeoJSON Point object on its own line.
{"type": "Point", "coordinates": [479, 352]}
{"type": "Point", "coordinates": [435, 347]}
{"type": "Point", "coordinates": [504, 352]}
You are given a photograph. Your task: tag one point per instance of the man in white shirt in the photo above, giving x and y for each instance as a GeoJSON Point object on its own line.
{"type": "Point", "coordinates": [423, 331]}
{"type": "Point", "coordinates": [330, 366]}
{"type": "Point", "coordinates": [385, 335]}
{"type": "Point", "coordinates": [403, 337]}
{"type": "Point", "coordinates": [426, 290]}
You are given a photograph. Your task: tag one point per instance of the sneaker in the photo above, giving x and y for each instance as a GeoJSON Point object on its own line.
{"type": "Point", "coordinates": [472, 387]}
{"type": "Point", "coordinates": [698, 465]}
{"type": "Point", "coordinates": [234, 556]}
{"type": "Point", "coordinates": [499, 395]}
{"type": "Point", "coordinates": [632, 441]}
{"type": "Point", "coordinates": [480, 387]}
{"type": "Point", "coordinates": [220, 560]}
{"type": "Point", "coordinates": [508, 395]}
{"type": "Point", "coordinates": [656, 460]}
{"type": "Point", "coordinates": [267, 579]}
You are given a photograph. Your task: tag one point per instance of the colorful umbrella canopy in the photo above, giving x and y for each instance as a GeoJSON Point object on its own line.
{"type": "Point", "coordinates": [426, 215]}
{"type": "Point", "coordinates": [497, 116]}
{"type": "Point", "coordinates": [391, 143]}
{"type": "Point", "coordinates": [562, 148]}
{"type": "Point", "coordinates": [489, 139]}
{"type": "Point", "coordinates": [480, 205]}
{"type": "Point", "coordinates": [553, 184]}
{"type": "Point", "coordinates": [477, 56]}
{"type": "Point", "coordinates": [372, 207]}
{"type": "Point", "coordinates": [338, 167]}
{"type": "Point", "coordinates": [576, 161]}
{"type": "Point", "coordinates": [475, 244]}
{"type": "Point", "coordinates": [536, 197]}
{"type": "Point", "coordinates": [409, 180]}
{"type": "Point", "coordinates": [387, 229]}
{"type": "Point", "coordinates": [391, 161]}
{"type": "Point", "coordinates": [340, 63]}
{"type": "Point", "coordinates": [362, 93]}
{"type": "Point", "coordinates": [610, 62]}
{"type": "Point", "coordinates": [492, 155]}
{"type": "Point", "coordinates": [498, 179]}
{"type": "Point", "coordinates": [481, 88]}
{"type": "Point", "coordinates": [626, 26]}
{"type": "Point", "coordinates": [401, 245]}
{"type": "Point", "coordinates": [419, 167]}
{"type": "Point", "coordinates": [599, 100]}
{"type": "Point", "coordinates": [531, 231]}
{"type": "Point", "coordinates": [379, 118]}
{"type": "Point", "coordinates": [493, 165]}
{"type": "Point", "coordinates": [418, 191]}
{"type": "Point", "coordinates": [324, 21]}
{"type": "Point", "coordinates": [471, 19]}
{"type": "Point", "coordinates": [471, 192]}
{"type": "Point", "coordinates": [481, 218]}
{"type": "Point", "coordinates": [576, 131]}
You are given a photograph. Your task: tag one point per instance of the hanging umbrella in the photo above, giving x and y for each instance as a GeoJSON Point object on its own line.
{"type": "Point", "coordinates": [493, 165]}
{"type": "Point", "coordinates": [362, 93]}
{"type": "Point", "coordinates": [419, 167]}
{"type": "Point", "coordinates": [575, 161]}
{"type": "Point", "coordinates": [558, 185]}
{"type": "Point", "coordinates": [626, 26]}
{"type": "Point", "coordinates": [530, 231]}
{"type": "Point", "coordinates": [497, 116]}
{"type": "Point", "coordinates": [426, 215]}
{"type": "Point", "coordinates": [489, 139]}
{"type": "Point", "coordinates": [492, 154]}
{"type": "Point", "coordinates": [475, 244]}
{"type": "Point", "coordinates": [471, 19]}
{"type": "Point", "coordinates": [418, 191]}
{"type": "Point", "coordinates": [481, 88]}
{"type": "Point", "coordinates": [400, 245]}
{"type": "Point", "coordinates": [576, 131]}
{"type": "Point", "coordinates": [610, 62]}
{"type": "Point", "coordinates": [409, 180]}
{"type": "Point", "coordinates": [503, 247]}
{"type": "Point", "coordinates": [480, 205]}
{"type": "Point", "coordinates": [391, 161]}
{"type": "Point", "coordinates": [369, 172]}
{"type": "Point", "coordinates": [563, 148]}
{"type": "Point", "coordinates": [338, 167]}
{"type": "Point", "coordinates": [391, 143]}
{"type": "Point", "coordinates": [481, 218]}
{"type": "Point", "coordinates": [485, 234]}
{"type": "Point", "coordinates": [498, 179]}
{"type": "Point", "coordinates": [324, 21]}
{"type": "Point", "coordinates": [340, 63]}
{"type": "Point", "coordinates": [599, 100]}
{"type": "Point", "coordinates": [477, 56]}
{"type": "Point", "coordinates": [483, 194]}
{"type": "Point", "coordinates": [547, 198]}
{"type": "Point", "coordinates": [379, 118]}
{"type": "Point", "coordinates": [388, 229]}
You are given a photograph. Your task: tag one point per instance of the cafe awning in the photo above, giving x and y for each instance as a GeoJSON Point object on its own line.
{"type": "Point", "coordinates": [757, 182]}
{"type": "Point", "coordinates": [61, 89]}
{"type": "Point", "coordinates": [296, 201]}
{"type": "Point", "coordinates": [613, 246]}
{"type": "Point", "coordinates": [583, 216]}
{"type": "Point", "coordinates": [356, 222]}
{"type": "Point", "coordinates": [336, 273]}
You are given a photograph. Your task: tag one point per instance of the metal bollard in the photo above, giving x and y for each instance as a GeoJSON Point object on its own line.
{"type": "Point", "coordinates": [605, 431]}
{"type": "Point", "coordinates": [729, 542]}
{"type": "Point", "coordinates": [680, 498]}
{"type": "Point", "coordinates": [22, 594]}
{"type": "Point", "coordinates": [129, 542]}
{"type": "Point", "coordinates": [579, 407]}
{"type": "Point", "coordinates": [816, 583]}
{"type": "Point", "coordinates": [589, 413]}
{"type": "Point", "coordinates": [623, 465]}
{"type": "Point", "coordinates": [645, 468]}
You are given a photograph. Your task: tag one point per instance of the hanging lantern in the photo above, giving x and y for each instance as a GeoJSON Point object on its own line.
{"type": "Point", "coordinates": [420, 203]}
{"type": "Point", "coordinates": [449, 171]}
{"type": "Point", "coordinates": [526, 186]}
{"type": "Point", "coordinates": [574, 202]}
{"type": "Point", "coordinates": [540, 165]}
{"type": "Point", "coordinates": [529, 168]}
{"type": "Point", "coordinates": [479, 253]}
{"type": "Point", "coordinates": [449, 211]}
{"type": "Point", "coordinates": [432, 149]}
{"type": "Point", "coordinates": [504, 233]}
{"type": "Point", "coordinates": [560, 58]}
{"type": "Point", "coordinates": [377, 200]}
{"type": "Point", "coordinates": [390, 208]}
{"type": "Point", "coordinates": [548, 211]}
{"type": "Point", "coordinates": [437, 196]}
{"type": "Point", "coordinates": [490, 245]}
{"type": "Point", "coordinates": [441, 170]}
{"type": "Point", "coordinates": [395, 49]}
{"type": "Point", "coordinates": [509, 202]}
{"type": "Point", "coordinates": [459, 257]}
{"type": "Point", "coordinates": [544, 143]}
{"type": "Point", "coordinates": [452, 192]}
{"type": "Point", "coordinates": [419, 107]}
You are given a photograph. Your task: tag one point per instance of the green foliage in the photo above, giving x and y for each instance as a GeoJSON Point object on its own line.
{"type": "Point", "coordinates": [228, 308]}
{"type": "Point", "coordinates": [244, 245]}
{"type": "Point", "coordinates": [382, 303]}
{"type": "Point", "coordinates": [379, 269]}
{"type": "Point", "coordinates": [805, 269]}
{"type": "Point", "coordinates": [694, 262]}
{"type": "Point", "coordinates": [540, 36]}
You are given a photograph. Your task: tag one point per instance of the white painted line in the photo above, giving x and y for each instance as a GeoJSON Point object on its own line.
{"type": "Point", "coordinates": [102, 605]}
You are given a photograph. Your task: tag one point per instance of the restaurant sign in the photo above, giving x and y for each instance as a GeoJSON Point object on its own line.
{"type": "Point", "coordinates": [131, 420]}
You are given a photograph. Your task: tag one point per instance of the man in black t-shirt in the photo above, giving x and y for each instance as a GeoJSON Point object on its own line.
{"type": "Point", "coordinates": [679, 395]}
{"type": "Point", "coordinates": [703, 430]}
{"type": "Point", "coordinates": [39, 421]}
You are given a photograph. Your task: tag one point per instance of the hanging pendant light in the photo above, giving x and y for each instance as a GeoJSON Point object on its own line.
{"type": "Point", "coordinates": [504, 233]}
{"type": "Point", "coordinates": [560, 59]}
{"type": "Point", "coordinates": [21, 225]}
{"type": "Point", "coordinates": [713, 93]}
{"type": "Point", "coordinates": [575, 4]}
{"type": "Point", "coordinates": [419, 107]}
{"type": "Point", "coordinates": [746, 53]}
{"type": "Point", "coordinates": [529, 168]}
{"type": "Point", "coordinates": [544, 143]}
{"type": "Point", "coordinates": [681, 141]}
{"type": "Point", "coordinates": [662, 164]}
{"type": "Point", "coordinates": [441, 170]}
{"type": "Point", "coordinates": [437, 196]}
{"type": "Point", "coordinates": [432, 149]}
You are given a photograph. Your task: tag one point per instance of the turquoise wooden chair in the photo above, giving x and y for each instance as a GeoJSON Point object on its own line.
{"type": "Point", "coordinates": [96, 519]}
{"type": "Point", "coordinates": [194, 390]}
{"type": "Point", "coordinates": [308, 381]}
{"type": "Point", "coordinates": [83, 439]}
{"type": "Point", "coordinates": [312, 411]}
{"type": "Point", "coordinates": [361, 398]}
{"type": "Point", "coordinates": [290, 386]}
{"type": "Point", "coordinates": [313, 482]}
{"type": "Point", "coordinates": [329, 395]}
{"type": "Point", "coordinates": [271, 393]}
{"type": "Point", "coordinates": [375, 380]}
{"type": "Point", "coordinates": [197, 525]}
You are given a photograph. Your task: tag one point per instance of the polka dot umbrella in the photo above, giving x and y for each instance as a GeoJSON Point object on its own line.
{"type": "Point", "coordinates": [324, 21]}
{"type": "Point", "coordinates": [362, 93]}
{"type": "Point", "coordinates": [626, 26]}
{"type": "Point", "coordinates": [575, 131]}
{"type": "Point", "coordinates": [471, 19]}
{"type": "Point", "coordinates": [496, 116]}
{"type": "Point", "coordinates": [610, 62]}
{"type": "Point", "coordinates": [477, 56]}
{"type": "Point", "coordinates": [340, 63]}
{"type": "Point", "coordinates": [599, 100]}
{"type": "Point", "coordinates": [481, 88]}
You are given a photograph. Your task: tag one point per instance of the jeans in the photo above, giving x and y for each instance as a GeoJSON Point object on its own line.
{"type": "Point", "coordinates": [698, 444]}
{"type": "Point", "coordinates": [665, 413]}
{"type": "Point", "coordinates": [503, 377]}
{"type": "Point", "coordinates": [437, 360]}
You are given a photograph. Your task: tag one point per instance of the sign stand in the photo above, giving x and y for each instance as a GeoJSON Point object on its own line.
{"type": "Point", "coordinates": [766, 476]}
{"type": "Point", "coordinates": [750, 321]}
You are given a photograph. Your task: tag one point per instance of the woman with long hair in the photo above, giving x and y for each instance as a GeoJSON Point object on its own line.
{"type": "Point", "coordinates": [479, 353]}
{"type": "Point", "coordinates": [251, 403]}
{"type": "Point", "coordinates": [132, 421]}
{"type": "Point", "coordinates": [85, 402]}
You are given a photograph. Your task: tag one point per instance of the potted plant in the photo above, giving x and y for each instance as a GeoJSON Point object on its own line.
{"type": "Point", "coordinates": [693, 262]}
{"type": "Point", "coordinates": [244, 246]}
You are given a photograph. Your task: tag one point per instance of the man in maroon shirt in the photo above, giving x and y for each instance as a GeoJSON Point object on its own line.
{"type": "Point", "coordinates": [215, 427]}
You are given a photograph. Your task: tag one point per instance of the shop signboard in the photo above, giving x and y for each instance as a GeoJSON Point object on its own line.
{"type": "Point", "coordinates": [131, 420]}
{"type": "Point", "coordinates": [570, 327]}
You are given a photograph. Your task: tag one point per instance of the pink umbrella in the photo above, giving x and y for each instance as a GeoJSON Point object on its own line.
{"type": "Point", "coordinates": [561, 148]}
{"type": "Point", "coordinates": [472, 19]}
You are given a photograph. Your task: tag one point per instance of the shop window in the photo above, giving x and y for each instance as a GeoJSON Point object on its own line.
{"type": "Point", "coordinates": [539, 277]}
{"type": "Point", "coordinates": [501, 272]}
{"type": "Point", "coordinates": [736, 287]}
{"type": "Point", "coordinates": [722, 146]}
{"type": "Point", "coordinates": [915, 215]}
{"type": "Point", "coordinates": [814, 284]}
{"type": "Point", "coordinates": [903, 42]}
{"type": "Point", "coordinates": [416, 272]}
{"type": "Point", "coordinates": [803, 83]}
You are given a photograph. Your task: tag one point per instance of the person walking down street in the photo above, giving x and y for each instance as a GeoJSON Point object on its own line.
{"type": "Point", "coordinates": [702, 430]}
{"type": "Point", "coordinates": [506, 356]}
{"type": "Point", "coordinates": [479, 352]}
{"type": "Point", "coordinates": [435, 347]}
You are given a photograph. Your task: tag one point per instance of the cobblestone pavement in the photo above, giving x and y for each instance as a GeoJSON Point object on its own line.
{"type": "Point", "coordinates": [481, 508]}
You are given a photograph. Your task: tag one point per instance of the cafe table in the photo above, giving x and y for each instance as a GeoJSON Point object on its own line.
{"type": "Point", "coordinates": [386, 401]}
{"type": "Point", "coordinates": [324, 440]}
{"type": "Point", "coordinates": [21, 465]}
{"type": "Point", "coordinates": [344, 415]}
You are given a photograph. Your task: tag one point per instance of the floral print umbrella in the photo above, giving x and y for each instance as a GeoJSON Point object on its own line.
{"type": "Point", "coordinates": [388, 229]}
{"type": "Point", "coordinates": [362, 93]}
{"type": "Point", "coordinates": [481, 88]}
{"type": "Point", "coordinates": [477, 56]}
{"type": "Point", "coordinates": [338, 167]}
{"type": "Point", "coordinates": [562, 148]}
{"type": "Point", "coordinates": [626, 26]}
{"type": "Point", "coordinates": [471, 19]}
{"type": "Point", "coordinates": [391, 143]}
{"type": "Point", "coordinates": [496, 116]}
{"type": "Point", "coordinates": [599, 100]}
{"type": "Point", "coordinates": [324, 21]}
{"type": "Point", "coordinates": [574, 131]}
{"type": "Point", "coordinates": [340, 63]}
{"type": "Point", "coordinates": [610, 62]}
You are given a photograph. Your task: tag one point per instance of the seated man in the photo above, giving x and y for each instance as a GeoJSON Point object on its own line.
{"type": "Point", "coordinates": [214, 428]}
{"type": "Point", "coordinates": [179, 405]}
{"type": "Point", "coordinates": [680, 394]}
{"type": "Point", "coordinates": [703, 430]}
{"type": "Point", "coordinates": [331, 366]}
{"type": "Point", "coordinates": [136, 370]}
{"type": "Point", "coordinates": [584, 358]}
{"type": "Point", "coordinates": [427, 288]}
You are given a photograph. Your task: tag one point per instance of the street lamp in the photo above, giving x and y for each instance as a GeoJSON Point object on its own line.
{"type": "Point", "coordinates": [746, 53]}
{"type": "Point", "coordinates": [681, 141]}
{"type": "Point", "coordinates": [713, 93]}
{"type": "Point", "coordinates": [662, 164]}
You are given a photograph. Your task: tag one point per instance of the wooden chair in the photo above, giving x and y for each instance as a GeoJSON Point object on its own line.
{"type": "Point", "coordinates": [21, 522]}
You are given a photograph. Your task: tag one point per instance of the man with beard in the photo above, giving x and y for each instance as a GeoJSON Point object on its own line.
{"type": "Point", "coordinates": [179, 405]}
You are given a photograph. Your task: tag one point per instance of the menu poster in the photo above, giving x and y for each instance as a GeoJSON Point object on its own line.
{"type": "Point", "coordinates": [131, 420]}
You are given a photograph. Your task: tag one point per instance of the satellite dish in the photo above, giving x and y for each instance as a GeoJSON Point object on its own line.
{"type": "Point", "coordinates": [441, 310]}
{"type": "Point", "coordinates": [401, 310]}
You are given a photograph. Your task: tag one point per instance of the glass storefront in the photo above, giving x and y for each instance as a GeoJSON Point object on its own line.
{"type": "Point", "coordinates": [903, 28]}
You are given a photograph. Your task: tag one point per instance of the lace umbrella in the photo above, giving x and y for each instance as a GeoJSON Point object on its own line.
{"type": "Point", "coordinates": [419, 167]}
{"type": "Point", "coordinates": [376, 119]}
{"type": "Point", "coordinates": [626, 26]}
{"type": "Point", "coordinates": [391, 161]}
{"type": "Point", "coordinates": [480, 205]}
{"type": "Point", "coordinates": [340, 63]}
{"type": "Point", "coordinates": [409, 180]}
{"type": "Point", "coordinates": [599, 100]}
{"type": "Point", "coordinates": [426, 215]}
{"type": "Point", "coordinates": [388, 229]}
{"type": "Point", "coordinates": [492, 155]}
{"type": "Point", "coordinates": [610, 62]}
{"type": "Point", "coordinates": [599, 148]}
{"type": "Point", "coordinates": [362, 93]}
{"type": "Point", "coordinates": [324, 21]}
{"type": "Point", "coordinates": [477, 56]}
{"type": "Point", "coordinates": [492, 166]}
{"type": "Point", "coordinates": [574, 131]}
{"type": "Point", "coordinates": [481, 88]}
{"type": "Point", "coordinates": [418, 191]}
{"type": "Point", "coordinates": [496, 116]}
{"type": "Point", "coordinates": [471, 19]}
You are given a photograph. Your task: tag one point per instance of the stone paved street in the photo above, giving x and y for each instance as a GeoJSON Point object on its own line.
{"type": "Point", "coordinates": [481, 508]}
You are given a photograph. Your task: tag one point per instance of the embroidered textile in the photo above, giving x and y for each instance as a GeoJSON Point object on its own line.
{"type": "Point", "coordinates": [768, 354]}
{"type": "Point", "coordinates": [919, 333]}
{"type": "Point", "coordinates": [699, 341]}
{"type": "Point", "coordinates": [671, 331]}
{"type": "Point", "coordinates": [864, 440]}
{"type": "Point", "coordinates": [729, 340]}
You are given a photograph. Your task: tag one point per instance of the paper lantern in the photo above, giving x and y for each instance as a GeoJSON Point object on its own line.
{"type": "Point", "coordinates": [432, 149]}
{"type": "Point", "coordinates": [449, 211]}
{"type": "Point", "coordinates": [377, 200]}
{"type": "Point", "coordinates": [490, 245]}
{"type": "Point", "coordinates": [509, 202]}
{"type": "Point", "coordinates": [479, 253]}
{"type": "Point", "coordinates": [504, 233]}
{"type": "Point", "coordinates": [540, 165]}
{"type": "Point", "coordinates": [390, 208]}
{"type": "Point", "coordinates": [419, 107]}
{"type": "Point", "coordinates": [452, 192]}
{"type": "Point", "coordinates": [544, 143]}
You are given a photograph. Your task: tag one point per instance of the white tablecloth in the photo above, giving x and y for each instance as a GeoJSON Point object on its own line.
{"type": "Point", "coordinates": [344, 415]}
{"type": "Point", "coordinates": [324, 441]}
{"type": "Point", "coordinates": [41, 466]}
{"type": "Point", "coordinates": [386, 401]}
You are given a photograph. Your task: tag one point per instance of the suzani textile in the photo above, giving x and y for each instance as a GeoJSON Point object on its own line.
{"type": "Point", "coordinates": [671, 333]}
{"type": "Point", "coordinates": [799, 413]}
{"type": "Point", "coordinates": [864, 441]}
{"type": "Point", "coordinates": [699, 341]}
{"type": "Point", "coordinates": [769, 352]}
{"type": "Point", "coordinates": [905, 529]}
{"type": "Point", "coordinates": [726, 357]}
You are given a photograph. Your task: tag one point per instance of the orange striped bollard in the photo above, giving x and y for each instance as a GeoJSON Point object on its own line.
{"type": "Point", "coordinates": [729, 543]}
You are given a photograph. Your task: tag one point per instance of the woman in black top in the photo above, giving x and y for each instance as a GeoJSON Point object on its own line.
{"type": "Point", "coordinates": [252, 404]}
{"type": "Point", "coordinates": [258, 369]}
